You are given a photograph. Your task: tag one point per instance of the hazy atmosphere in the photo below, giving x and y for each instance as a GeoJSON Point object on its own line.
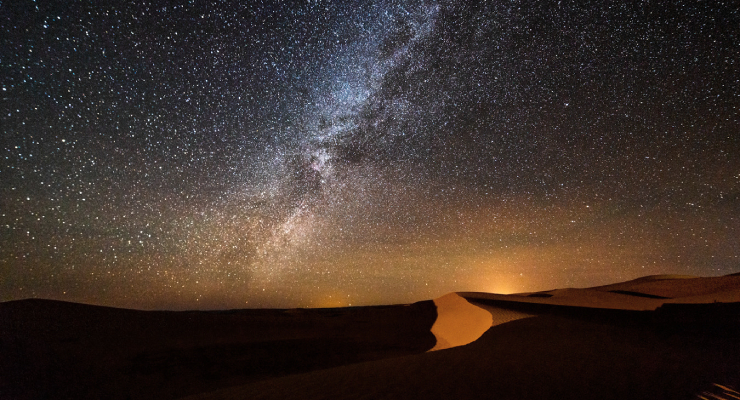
{"type": "Point", "coordinates": [322, 154]}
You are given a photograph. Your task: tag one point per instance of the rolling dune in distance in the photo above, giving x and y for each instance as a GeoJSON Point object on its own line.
{"type": "Point", "coordinates": [658, 337]}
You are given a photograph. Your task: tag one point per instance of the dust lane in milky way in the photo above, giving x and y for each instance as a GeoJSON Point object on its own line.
{"type": "Point", "coordinates": [222, 155]}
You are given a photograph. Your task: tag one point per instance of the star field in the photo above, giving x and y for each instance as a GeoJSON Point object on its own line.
{"type": "Point", "coordinates": [325, 153]}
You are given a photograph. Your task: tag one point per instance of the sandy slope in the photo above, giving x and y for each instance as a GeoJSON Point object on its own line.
{"type": "Point", "coordinates": [458, 322]}
{"type": "Point", "coordinates": [501, 315]}
{"type": "Point", "coordinates": [631, 295]}
{"type": "Point", "coordinates": [57, 350]}
{"type": "Point", "coordinates": [610, 342]}
{"type": "Point", "coordinates": [577, 298]}
{"type": "Point", "coordinates": [616, 351]}
{"type": "Point", "coordinates": [545, 357]}
{"type": "Point", "coordinates": [679, 287]}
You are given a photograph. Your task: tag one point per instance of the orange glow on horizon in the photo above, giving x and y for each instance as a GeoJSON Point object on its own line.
{"type": "Point", "coordinates": [330, 300]}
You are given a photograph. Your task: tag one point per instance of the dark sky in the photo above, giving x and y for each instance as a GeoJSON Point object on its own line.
{"type": "Point", "coordinates": [285, 154]}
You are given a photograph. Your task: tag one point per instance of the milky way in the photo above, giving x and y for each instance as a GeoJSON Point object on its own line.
{"type": "Point", "coordinates": [294, 154]}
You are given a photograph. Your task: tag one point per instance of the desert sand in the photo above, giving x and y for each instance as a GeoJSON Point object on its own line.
{"type": "Point", "coordinates": [460, 322]}
{"type": "Point", "coordinates": [658, 337]}
{"type": "Point", "coordinates": [58, 350]}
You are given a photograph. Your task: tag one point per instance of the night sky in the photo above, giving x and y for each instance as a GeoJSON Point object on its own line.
{"type": "Point", "coordinates": [311, 154]}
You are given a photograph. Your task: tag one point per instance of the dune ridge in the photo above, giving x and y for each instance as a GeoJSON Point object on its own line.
{"type": "Point", "coordinates": [574, 344]}
{"type": "Point", "coordinates": [458, 322]}
{"type": "Point", "coordinates": [642, 294]}
{"type": "Point", "coordinates": [613, 342]}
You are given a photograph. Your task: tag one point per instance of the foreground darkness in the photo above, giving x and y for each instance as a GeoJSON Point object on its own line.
{"type": "Point", "coordinates": [568, 355]}
{"type": "Point", "coordinates": [58, 350]}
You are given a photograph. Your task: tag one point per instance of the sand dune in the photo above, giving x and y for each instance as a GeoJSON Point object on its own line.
{"type": "Point", "coordinates": [607, 342]}
{"type": "Point", "coordinates": [58, 350]}
{"type": "Point", "coordinates": [501, 315]}
{"type": "Point", "coordinates": [576, 298]}
{"type": "Point", "coordinates": [571, 355]}
{"type": "Point", "coordinates": [458, 322]}
{"type": "Point", "coordinates": [725, 296]}
{"type": "Point", "coordinates": [546, 357]}
{"type": "Point", "coordinates": [632, 295]}
{"type": "Point", "coordinates": [678, 287]}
